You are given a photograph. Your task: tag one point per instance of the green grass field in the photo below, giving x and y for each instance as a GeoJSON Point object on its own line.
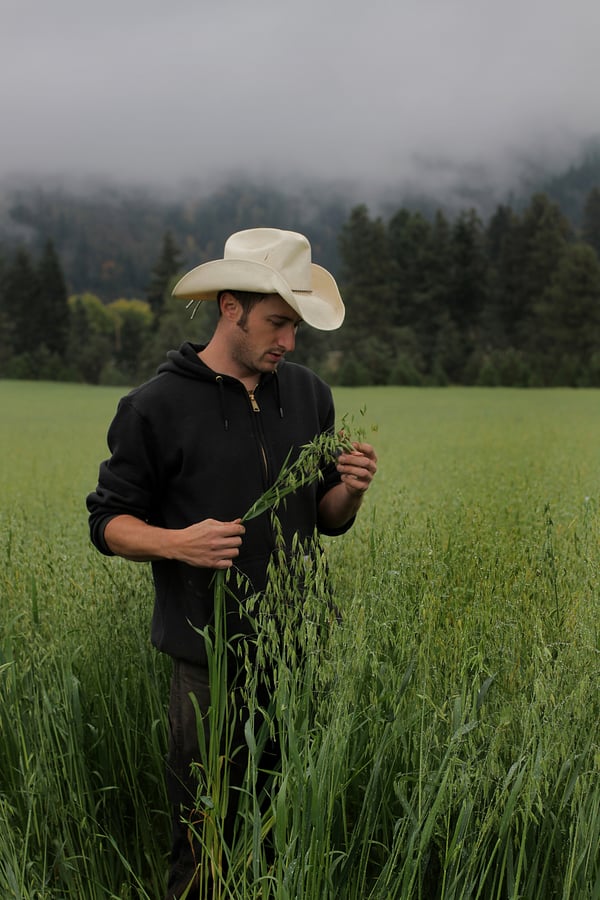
{"type": "Point", "coordinates": [445, 741]}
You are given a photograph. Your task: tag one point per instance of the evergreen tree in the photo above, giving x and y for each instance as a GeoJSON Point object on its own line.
{"type": "Point", "coordinates": [469, 274]}
{"type": "Point", "coordinates": [544, 236]}
{"type": "Point", "coordinates": [409, 236]}
{"type": "Point", "coordinates": [164, 272]}
{"type": "Point", "coordinates": [568, 318]}
{"type": "Point", "coordinates": [438, 267]}
{"type": "Point", "coordinates": [439, 258]}
{"type": "Point", "coordinates": [365, 269]}
{"type": "Point", "coordinates": [498, 229]}
{"type": "Point", "coordinates": [21, 293]}
{"type": "Point", "coordinates": [418, 294]}
{"type": "Point", "coordinates": [468, 285]}
{"type": "Point", "coordinates": [366, 287]}
{"type": "Point", "coordinates": [590, 230]}
{"type": "Point", "coordinates": [6, 350]}
{"type": "Point", "coordinates": [50, 321]}
{"type": "Point", "coordinates": [506, 253]}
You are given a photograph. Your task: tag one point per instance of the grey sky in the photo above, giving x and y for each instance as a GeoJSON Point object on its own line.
{"type": "Point", "coordinates": [374, 90]}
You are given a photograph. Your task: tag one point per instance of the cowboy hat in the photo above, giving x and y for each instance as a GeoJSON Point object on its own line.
{"type": "Point", "coordinates": [269, 261]}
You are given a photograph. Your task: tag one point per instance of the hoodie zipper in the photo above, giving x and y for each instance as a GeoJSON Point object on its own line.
{"type": "Point", "coordinates": [253, 401]}
{"type": "Point", "coordinates": [256, 409]}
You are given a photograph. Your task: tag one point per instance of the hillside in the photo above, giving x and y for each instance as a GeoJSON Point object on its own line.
{"type": "Point", "coordinates": [108, 237]}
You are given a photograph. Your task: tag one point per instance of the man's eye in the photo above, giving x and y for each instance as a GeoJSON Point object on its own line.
{"type": "Point", "coordinates": [281, 323]}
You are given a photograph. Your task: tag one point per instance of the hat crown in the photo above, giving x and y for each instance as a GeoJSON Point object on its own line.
{"type": "Point", "coordinates": [269, 261]}
{"type": "Point", "coordinates": [287, 252]}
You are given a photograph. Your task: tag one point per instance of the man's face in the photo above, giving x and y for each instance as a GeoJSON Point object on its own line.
{"type": "Point", "coordinates": [259, 344]}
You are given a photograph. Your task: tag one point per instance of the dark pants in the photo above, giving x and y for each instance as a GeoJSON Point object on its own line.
{"type": "Point", "coordinates": [182, 785]}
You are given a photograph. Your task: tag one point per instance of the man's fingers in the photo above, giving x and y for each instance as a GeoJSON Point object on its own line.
{"type": "Point", "coordinates": [358, 468]}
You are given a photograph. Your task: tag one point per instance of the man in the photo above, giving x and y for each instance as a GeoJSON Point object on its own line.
{"type": "Point", "coordinates": [194, 447]}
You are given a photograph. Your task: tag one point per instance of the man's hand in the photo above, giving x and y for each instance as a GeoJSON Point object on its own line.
{"type": "Point", "coordinates": [357, 468]}
{"type": "Point", "coordinates": [210, 544]}
{"type": "Point", "coordinates": [207, 544]}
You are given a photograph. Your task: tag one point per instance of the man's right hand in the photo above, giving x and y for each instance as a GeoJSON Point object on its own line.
{"type": "Point", "coordinates": [210, 544]}
{"type": "Point", "coordinates": [207, 544]}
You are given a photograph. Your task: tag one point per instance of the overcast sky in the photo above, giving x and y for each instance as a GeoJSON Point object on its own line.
{"type": "Point", "coordinates": [165, 90]}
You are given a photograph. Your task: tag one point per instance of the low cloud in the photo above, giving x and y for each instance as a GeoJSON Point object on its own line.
{"type": "Point", "coordinates": [414, 93]}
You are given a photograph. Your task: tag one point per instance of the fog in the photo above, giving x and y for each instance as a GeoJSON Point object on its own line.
{"type": "Point", "coordinates": [414, 93]}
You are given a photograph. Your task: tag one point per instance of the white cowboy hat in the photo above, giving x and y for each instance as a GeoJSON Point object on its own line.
{"type": "Point", "coordinates": [269, 261]}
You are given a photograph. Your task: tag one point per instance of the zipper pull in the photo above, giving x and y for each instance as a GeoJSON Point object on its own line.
{"type": "Point", "coordinates": [253, 401]}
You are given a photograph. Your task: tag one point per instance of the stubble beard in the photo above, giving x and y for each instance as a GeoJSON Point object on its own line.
{"type": "Point", "coordinates": [247, 359]}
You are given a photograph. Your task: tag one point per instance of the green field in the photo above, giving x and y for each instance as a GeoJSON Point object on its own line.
{"type": "Point", "coordinates": [451, 744]}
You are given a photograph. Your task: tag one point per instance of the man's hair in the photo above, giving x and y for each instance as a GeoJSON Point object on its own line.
{"type": "Point", "coordinates": [246, 299]}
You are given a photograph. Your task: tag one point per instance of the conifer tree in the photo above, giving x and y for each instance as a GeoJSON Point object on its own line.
{"type": "Point", "coordinates": [590, 231]}
{"type": "Point", "coordinates": [164, 271]}
{"type": "Point", "coordinates": [5, 337]}
{"type": "Point", "coordinates": [469, 276]}
{"type": "Point", "coordinates": [568, 318]}
{"type": "Point", "coordinates": [417, 294]}
{"type": "Point", "coordinates": [366, 270]}
{"type": "Point", "coordinates": [409, 238]}
{"type": "Point", "coordinates": [544, 236]}
{"type": "Point", "coordinates": [367, 290]}
{"type": "Point", "coordinates": [506, 253]}
{"type": "Point", "coordinates": [21, 293]}
{"type": "Point", "coordinates": [50, 324]}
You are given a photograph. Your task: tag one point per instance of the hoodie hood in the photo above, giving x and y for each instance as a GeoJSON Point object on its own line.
{"type": "Point", "coordinates": [187, 363]}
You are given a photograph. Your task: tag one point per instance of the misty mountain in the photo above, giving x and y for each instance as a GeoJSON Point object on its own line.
{"type": "Point", "coordinates": [109, 236]}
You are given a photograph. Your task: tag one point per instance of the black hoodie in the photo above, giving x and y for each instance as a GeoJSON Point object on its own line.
{"type": "Point", "coordinates": [188, 445]}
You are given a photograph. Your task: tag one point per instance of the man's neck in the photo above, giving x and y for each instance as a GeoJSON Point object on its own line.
{"type": "Point", "coordinates": [220, 362]}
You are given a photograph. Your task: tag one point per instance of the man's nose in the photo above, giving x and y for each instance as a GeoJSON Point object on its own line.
{"type": "Point", "coordinates": [287, 338]}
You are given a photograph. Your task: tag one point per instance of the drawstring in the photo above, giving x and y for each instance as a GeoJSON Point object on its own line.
{"type": "Point", "coordinates": [278, 390]}
{"type": "Point", "coordinates": [219, 380]}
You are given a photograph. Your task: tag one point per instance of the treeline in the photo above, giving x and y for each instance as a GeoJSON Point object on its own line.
{"type": "Point", "coordinates": [108, 237]}
{"type": "Point", "coordinates": [47, 334]}
{"type": "Point", "coordinates": [513, 301]}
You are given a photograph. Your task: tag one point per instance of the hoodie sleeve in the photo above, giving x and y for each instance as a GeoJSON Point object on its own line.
{"type": "Point", "coordinates": [331, 476]}
{"type": "Point", "coordinates": [127, 481]}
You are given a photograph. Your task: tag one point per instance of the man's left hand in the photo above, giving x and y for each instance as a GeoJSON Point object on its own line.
{"type": "Point", "coordinates": [357, 468]}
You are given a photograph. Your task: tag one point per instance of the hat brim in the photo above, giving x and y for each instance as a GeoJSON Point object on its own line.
{"type": "Point", "coordinates": [322, 307]}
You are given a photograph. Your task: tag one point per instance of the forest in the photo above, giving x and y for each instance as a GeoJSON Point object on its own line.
{"type": "Point", "coordinates": [433, 297]}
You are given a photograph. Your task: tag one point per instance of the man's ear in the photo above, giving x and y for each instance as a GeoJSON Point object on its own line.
{"type": "Point", "coordinates": [230, 306]}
